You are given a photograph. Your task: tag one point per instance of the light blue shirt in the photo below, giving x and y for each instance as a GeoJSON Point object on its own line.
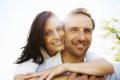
{"type": "Point", "coordinates": [116, 74]}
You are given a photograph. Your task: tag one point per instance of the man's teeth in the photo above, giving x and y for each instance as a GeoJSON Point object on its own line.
{"type": "Point", "coordinates": [80, 45]}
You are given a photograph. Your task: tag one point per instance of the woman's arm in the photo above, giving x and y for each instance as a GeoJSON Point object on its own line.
{"type": "Point", "coordinates": [97, 67]}
{"type": "Point", "coordinates": [22, 77]}
{"type": "Point", "coordinates": [19, 77]}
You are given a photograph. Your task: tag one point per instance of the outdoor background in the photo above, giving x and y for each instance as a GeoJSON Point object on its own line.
{"type": "Point", "coordinates": [16, 17]}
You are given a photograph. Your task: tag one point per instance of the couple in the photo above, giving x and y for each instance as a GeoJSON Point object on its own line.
{"type": "Point", "coordinates": [55, 48]}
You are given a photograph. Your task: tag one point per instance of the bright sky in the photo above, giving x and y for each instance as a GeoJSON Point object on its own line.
{"type": "Point", "coordinates": [16, 17]}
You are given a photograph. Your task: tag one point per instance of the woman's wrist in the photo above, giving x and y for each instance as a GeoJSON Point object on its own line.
{"type": "Point", "coordinates": [66, 66]}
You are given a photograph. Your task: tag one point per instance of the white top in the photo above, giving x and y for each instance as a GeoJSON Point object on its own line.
{"type": "Point", "coordinates": [26, 67]}
{"type": "Point", "coordinates": [29, 66]}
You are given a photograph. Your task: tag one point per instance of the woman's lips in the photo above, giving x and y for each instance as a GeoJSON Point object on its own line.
{"type": "Point", "coordinates": [57, 43]}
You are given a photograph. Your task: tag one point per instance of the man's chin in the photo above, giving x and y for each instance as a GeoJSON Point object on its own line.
{"type": "Point", "coordinates": [79, 53]}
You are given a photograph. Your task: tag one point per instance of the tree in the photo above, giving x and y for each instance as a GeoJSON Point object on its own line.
{"type": "Point", "coordinates": [112, 29]}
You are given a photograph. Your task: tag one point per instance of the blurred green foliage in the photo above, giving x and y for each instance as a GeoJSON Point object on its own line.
{"type": "Point", "coordinates": [112, 29]}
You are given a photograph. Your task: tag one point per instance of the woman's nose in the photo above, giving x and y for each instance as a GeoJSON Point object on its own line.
{"type": "Point", "coordinates": [56, 35]}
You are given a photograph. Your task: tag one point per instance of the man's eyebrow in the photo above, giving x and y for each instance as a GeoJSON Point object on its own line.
{"type": "Point", "coordinates": [59, 26]}
{"type": "Point", "coordinates": [73, 27]}
{"type": "Point", "coordinates": [88, 28]}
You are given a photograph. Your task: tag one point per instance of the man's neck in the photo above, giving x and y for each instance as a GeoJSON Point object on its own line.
{"type": "Point", "coordinates": [69, 58]}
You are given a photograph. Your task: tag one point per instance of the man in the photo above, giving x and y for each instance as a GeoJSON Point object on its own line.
{"type": "Point", "coordinates": [78, 36]}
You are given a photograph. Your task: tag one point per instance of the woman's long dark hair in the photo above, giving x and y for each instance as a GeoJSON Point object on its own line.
{"type": "Point", "coordinates": [35, 39]}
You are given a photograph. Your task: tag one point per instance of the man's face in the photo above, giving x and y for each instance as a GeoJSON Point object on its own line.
{"type": "Point", "coordinates": [78, 34]}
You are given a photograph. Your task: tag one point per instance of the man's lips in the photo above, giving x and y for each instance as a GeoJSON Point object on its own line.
{"type": "Point", "coordinates": [80, 45]}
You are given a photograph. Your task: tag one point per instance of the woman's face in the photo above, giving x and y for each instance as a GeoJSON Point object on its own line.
{"type": "Point", "coordinates": [54, 35]}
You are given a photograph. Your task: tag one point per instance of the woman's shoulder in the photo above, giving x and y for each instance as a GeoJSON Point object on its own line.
{"type": "Point", "coordinates": [26, 67]}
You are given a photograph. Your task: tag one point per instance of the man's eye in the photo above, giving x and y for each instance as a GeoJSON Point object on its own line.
{"type": "Point", "coordinates": [88, 30]}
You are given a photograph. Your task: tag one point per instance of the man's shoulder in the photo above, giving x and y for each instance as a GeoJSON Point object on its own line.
{"type": "Point", "coordinates": [90, 55]}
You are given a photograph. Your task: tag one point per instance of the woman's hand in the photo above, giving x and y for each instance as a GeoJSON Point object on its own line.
{"type": "Point", "coordinates": [20, 77]}
{"type": "Point", "coordinates": [48, 74]}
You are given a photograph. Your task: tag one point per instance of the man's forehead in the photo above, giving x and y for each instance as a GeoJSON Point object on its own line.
{"type": "Point", "coordinates": [78, 20]}
{"type": "Point", "coordinates": [76, 17]}
{"type": "Point", "coordinates": [68, 18]}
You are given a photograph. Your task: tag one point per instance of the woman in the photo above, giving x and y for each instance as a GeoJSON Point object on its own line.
{"type": "Point", "coordinates": [46, 34]}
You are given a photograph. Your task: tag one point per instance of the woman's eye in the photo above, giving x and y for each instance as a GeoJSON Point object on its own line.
{"type": "Point", "coordinates": [48, 33]}
{"type": "Point", "coordinates": [60, 29]}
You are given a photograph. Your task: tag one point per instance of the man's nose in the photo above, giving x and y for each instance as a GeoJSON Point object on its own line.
{"type": "Point", "coordinates": [81, 36]}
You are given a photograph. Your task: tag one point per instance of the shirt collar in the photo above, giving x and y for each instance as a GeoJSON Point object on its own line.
{"type": "Point", "coordinates": [54, 61]}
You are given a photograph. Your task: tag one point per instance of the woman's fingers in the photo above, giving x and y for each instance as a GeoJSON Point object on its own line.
{"type": "Point", "coordinates": [43, 77]}
{"type": "Point", "coordinates": [29, 73]}
{"type": "Point", "coordinates": [92, 77]}
{"type": "Point", "coordinates": [33, 75]}
{"type": "Point", "coordinates": [72, 76]}
{"type": "Point", "coordinates": [84, 77]}
{"type": "Point", "coordinates": [50, 76]}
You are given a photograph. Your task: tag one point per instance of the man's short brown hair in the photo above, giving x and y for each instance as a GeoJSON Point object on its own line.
{"type": "Point", "coordinates": [84, 12]}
